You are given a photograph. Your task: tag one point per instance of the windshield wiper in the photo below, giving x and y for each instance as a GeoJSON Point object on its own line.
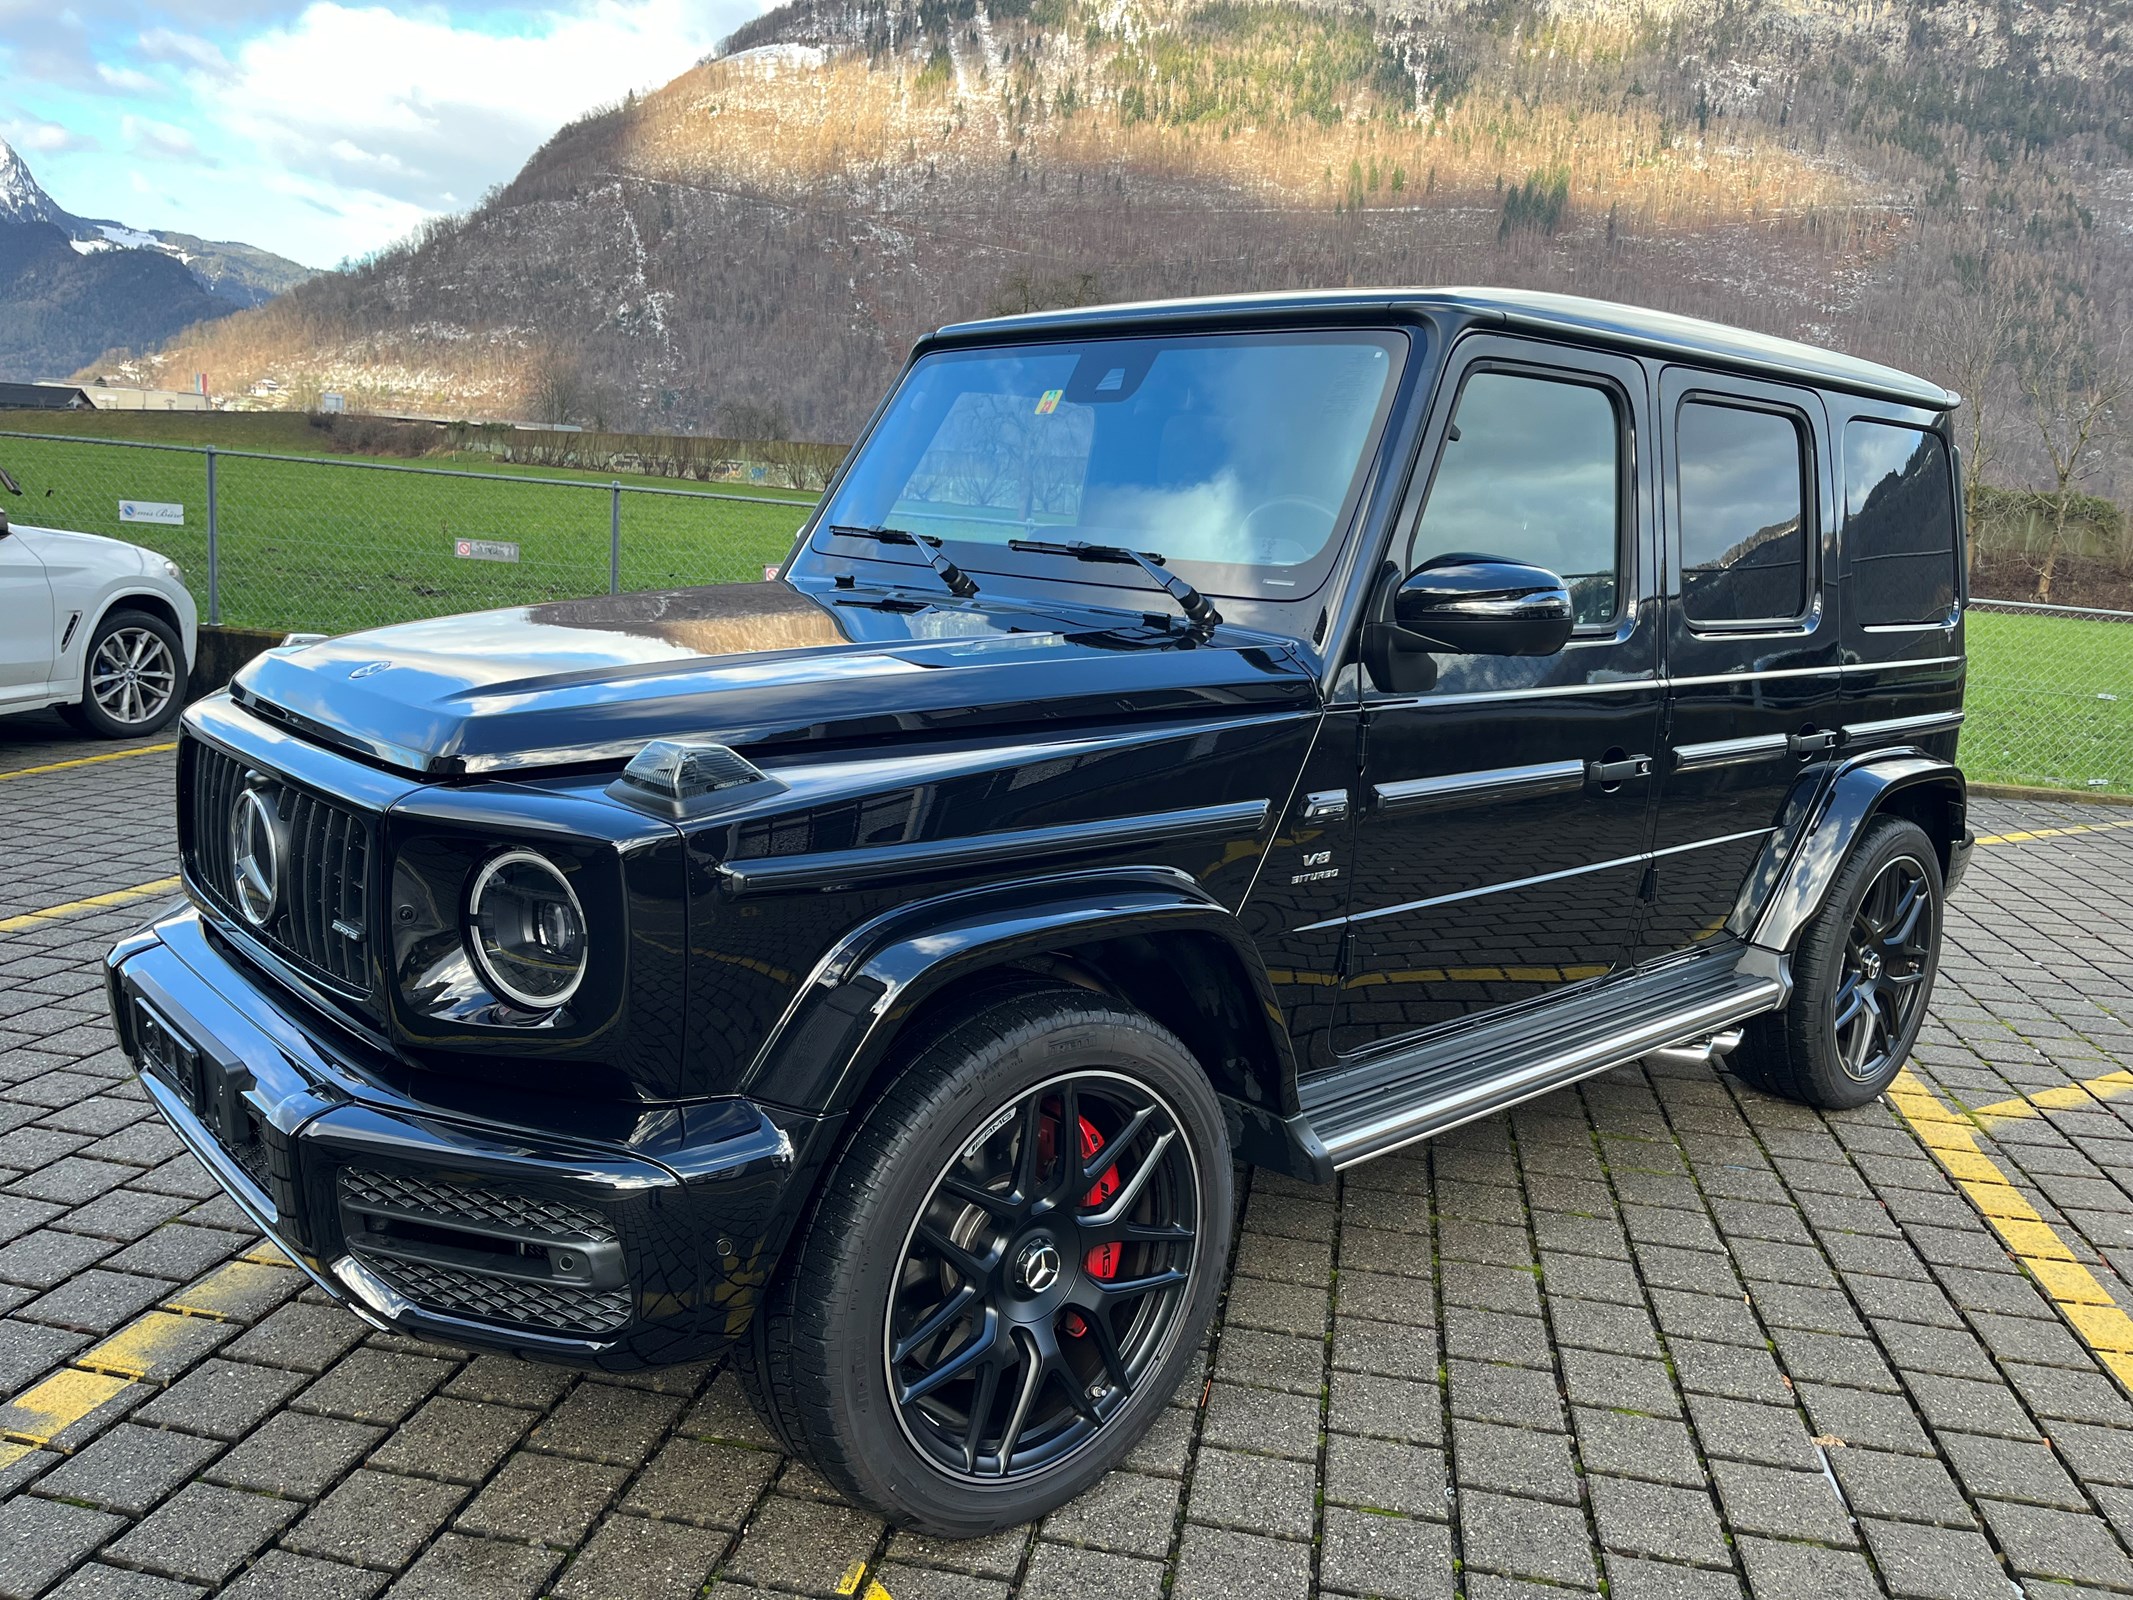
{"type": "Point", "coordinates": [1194, 604]}
{"type": "Point", "coordinates": [952, 575]}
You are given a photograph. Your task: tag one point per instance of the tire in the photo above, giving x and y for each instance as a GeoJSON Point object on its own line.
{"type": "Point", "coordinates": [840, 1358]}
{"type": "Point", "coordinates": [1821, 1050]}
{"type": "Point", "coordinates": [133, 677]}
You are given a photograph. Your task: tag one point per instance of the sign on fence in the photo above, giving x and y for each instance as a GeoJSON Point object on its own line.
{"type": "Point", "coordinates": [485, 549]}
{"type": "Point", "coordinates": [161, 512]}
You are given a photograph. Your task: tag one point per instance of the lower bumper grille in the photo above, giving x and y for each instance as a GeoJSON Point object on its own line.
{"type": "Point", "coordinates": [457, 1292]}
{"type": "Point", "coordinates": [468, 1248]}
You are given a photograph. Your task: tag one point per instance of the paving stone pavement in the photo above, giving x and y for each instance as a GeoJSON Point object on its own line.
{"type": "Point", "coordinates": [1657, 1332]}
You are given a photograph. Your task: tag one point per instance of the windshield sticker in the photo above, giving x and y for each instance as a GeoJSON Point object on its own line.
{"type": "Point", "coordinates": [1048, 402]}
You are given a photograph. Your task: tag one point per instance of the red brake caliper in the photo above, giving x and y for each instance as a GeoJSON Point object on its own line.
{"type": "Point", "coordinates": [1102, 1259]}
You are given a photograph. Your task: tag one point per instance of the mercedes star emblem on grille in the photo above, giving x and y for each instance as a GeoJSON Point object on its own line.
{"type": "Point", "coordinates": [255, 857]}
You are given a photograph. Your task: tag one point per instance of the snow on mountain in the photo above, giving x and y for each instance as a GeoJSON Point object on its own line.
{"type": "Point", "coordinates": [239, 273]}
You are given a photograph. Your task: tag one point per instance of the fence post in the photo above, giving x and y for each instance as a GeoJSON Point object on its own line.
{"type": "Point", "coordinates": [614, 540]}
{"type": "Point", "coordinates": [214, 548]}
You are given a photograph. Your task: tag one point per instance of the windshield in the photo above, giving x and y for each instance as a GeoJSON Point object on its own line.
{"type": "Point", "coordinates": [1236, 458]}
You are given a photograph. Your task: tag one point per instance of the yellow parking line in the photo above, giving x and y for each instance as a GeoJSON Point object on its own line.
{"type": "Point", "coordinates": [46, 1410]}
{"type": "Point", "coordinates": [854, 1576]}
{"type": "Point", "coordinates": [2081, 1299]}
{"type": "Point", "coordinates": [89, 761]}
{"type": "Point", "coordinates": [2069, 1097]}
{"type": "Point", "coordinates": [107, 1369]}
{"type": "Point", "coordinates": [95, 902]}
{"type": "Point", "coordinates": [2024, 836]}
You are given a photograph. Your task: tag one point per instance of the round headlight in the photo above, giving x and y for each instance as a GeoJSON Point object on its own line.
{"type": "Point", "coordinates": [527, 930]}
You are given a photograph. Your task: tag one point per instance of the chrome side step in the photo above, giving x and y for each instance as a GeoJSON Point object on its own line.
{"type": "Point", "coordinates": [1707, 1020]}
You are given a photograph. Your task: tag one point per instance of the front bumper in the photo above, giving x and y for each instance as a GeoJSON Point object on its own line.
{"type": "Point", "coordinates": [514, 1235]}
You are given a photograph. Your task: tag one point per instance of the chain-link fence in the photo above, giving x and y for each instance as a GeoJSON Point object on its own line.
{"type": "Point", "coordinates": [328, 545]}
{"type": "Point", "coordinates": [2051, 697]}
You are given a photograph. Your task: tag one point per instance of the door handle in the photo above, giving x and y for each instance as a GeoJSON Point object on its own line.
{"type": "Point", "coordinates": [1606, 774]}
{"type": "Point", "coordinates": [1814, 742]}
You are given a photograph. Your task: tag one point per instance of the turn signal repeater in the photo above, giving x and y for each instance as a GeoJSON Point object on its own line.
{"type": "Point", "coordinates": [690, 778]}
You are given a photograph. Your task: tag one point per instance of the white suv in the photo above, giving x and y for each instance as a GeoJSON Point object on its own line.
{"type": "Point", "coordinates": [102, 629]}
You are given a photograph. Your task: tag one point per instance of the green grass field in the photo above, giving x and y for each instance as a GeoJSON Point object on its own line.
{"type": "Point", "coordinates": [2050, 702]}
{"type": "Point", "coordinates": [330, 546]}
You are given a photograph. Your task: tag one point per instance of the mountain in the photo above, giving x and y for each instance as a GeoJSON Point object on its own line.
{"type": "Point", "coordinates": [754, 245]}
{"type": "Point", "coordinates": [73, 288]}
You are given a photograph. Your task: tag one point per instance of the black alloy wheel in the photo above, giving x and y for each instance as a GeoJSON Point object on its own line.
{"type": "Point", "coordinates": [1862, 975]}
{"type": "Point", "coordinates": [1008, 1272]}
{"type": "Point", "coordinates": [1887, 961]}
{"type": "Point", "coordinates": [1042, 1276]}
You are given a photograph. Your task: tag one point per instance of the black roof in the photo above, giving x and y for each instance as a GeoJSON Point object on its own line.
{"type": "Point", "coordinates": [1604, 321]}
{"type": "Point", "coordinates": [43, 397]}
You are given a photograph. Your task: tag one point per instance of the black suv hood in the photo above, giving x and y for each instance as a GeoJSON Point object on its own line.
{"type": "Point", "coordinates": [762, 664]}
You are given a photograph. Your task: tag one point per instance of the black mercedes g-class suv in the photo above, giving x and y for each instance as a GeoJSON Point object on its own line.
{"type": "Point", "coordinates": [1273, 729]}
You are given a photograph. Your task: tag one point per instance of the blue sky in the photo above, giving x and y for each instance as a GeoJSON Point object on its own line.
{"type": "Point", "coordinates": [321, 129]}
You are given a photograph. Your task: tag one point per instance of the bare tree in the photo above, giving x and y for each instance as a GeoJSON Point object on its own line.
{"type": "Point", "coordinates": [2071, 385]}
{"type": "Point", "coordinates": [1970, 336]}
{"type": "Point", "coordinates": [556, 385]}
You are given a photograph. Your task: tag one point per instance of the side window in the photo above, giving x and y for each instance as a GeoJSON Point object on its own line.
{"type": "Point", "coordinates": [1741, 475]}
{"type": "Point", "coordinates": [1532, 471]}
{"type": "Point", "coordinates": [1899, 523]}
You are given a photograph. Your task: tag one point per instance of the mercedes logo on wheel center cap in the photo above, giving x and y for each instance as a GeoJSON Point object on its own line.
{"type": "Point", "coordinates": [255, 857]}
{"type": "Point", "coordinates": [1038, 1265]}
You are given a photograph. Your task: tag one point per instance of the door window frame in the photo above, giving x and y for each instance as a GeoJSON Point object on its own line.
{"type": "Point", "coordinates": [1742, 397]}
{"type": "Point", "coordinates": [1629, 383]}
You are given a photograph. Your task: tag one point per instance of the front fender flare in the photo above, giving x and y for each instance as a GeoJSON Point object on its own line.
{"type": "Point", "coordinates": [847, 1018]}
{"type": "Point", "coordinates": [1861, 790]}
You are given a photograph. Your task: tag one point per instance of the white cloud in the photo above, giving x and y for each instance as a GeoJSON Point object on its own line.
{"type": "Point", "coordinates": [429, 112]}
{"type": "Point", "coordinates": [126, 80]}
{"type": "Point", "coordinates": [46, 138]}
{"type": "Point", "coordinates": [145, 136]}
{"type": "Point", "coordinates": [182, 49]}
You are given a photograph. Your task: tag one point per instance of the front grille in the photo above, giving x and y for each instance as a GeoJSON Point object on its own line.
{"type": "Point", "coordinates": [474, 1203]}
{"type": "Point", "coordinates": [321, 922]}
{"type": "Point", "coordinates": [457, 1292]}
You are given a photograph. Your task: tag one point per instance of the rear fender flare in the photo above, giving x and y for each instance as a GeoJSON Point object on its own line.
{"type": "Point", "coordinates": [844, 1025]}
{"type": "Point", "coordinates": [1862, 790]}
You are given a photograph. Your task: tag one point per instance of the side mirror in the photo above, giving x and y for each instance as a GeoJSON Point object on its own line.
{"type": "Point", "coordinates": [1463, 605]}
{"type": "Point", "coordinates": [1479, 606]}
{"type": "Point", "coordinates": [5, 530]}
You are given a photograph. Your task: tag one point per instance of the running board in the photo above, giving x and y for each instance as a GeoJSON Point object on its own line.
{"type": "Point", "coordinates": [1363, 1112]}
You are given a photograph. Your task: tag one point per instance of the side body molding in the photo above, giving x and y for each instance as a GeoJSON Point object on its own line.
{"type": "Point", "coordinates": [831, 1045]}
{"type": "Point", "coordinates": [1784, 893]}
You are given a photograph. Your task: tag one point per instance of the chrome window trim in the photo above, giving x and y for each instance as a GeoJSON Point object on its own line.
{"type": "Point", "coordinates": [1422, 794]}
{"type": "Point", "coordinates": [1705, 680]}
{"type": "Point", "coordinates": [1933, 722]}
{"type": "Point", "coordinates": [1729, 752]}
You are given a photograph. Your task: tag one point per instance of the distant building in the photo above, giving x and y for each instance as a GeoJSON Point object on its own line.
{"type": "Point", "coordinates": [44, 397]}
{"type": "Point", "coordinates": [123, 397]}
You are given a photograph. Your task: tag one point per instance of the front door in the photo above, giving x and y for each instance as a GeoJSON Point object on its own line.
{"type": "Point", "coordinates": [25, 621]}
{"type": "Point", "coordinates": [1504, 813]}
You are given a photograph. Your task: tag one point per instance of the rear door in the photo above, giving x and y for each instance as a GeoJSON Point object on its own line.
{"type": "Point", "coordinates": [1753, 640]}
{"type": "Point", "coordinates": [1504, 812]}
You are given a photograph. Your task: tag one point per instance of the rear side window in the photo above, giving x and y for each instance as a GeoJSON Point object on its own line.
{"type": "Point", "coordinates": [1899, 523]}
{"type": "Point", "coordinates": [1742, 477]}
{"type": "Point", "coordinates": [1532, 472]}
